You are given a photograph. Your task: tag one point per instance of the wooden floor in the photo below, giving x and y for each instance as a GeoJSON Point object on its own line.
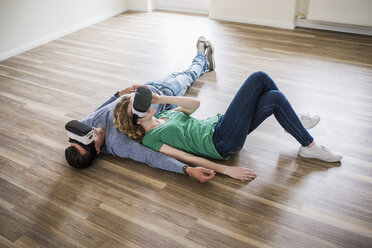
{"type": "Point", "coordinates": [294, 202]}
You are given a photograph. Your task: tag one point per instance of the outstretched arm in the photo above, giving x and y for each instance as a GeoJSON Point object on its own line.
{"type": "Point", "coordinates": [128, 148]}
{"type": "Point", "coordinates": [119, 94]}
{"type": "Point", "coordinates": [234, 172]}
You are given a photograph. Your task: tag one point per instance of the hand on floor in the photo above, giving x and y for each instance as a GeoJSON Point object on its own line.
{"type": "Point", "coordinates": [200, 173]}
{"type": "Point", "coordinates": [241, 173]}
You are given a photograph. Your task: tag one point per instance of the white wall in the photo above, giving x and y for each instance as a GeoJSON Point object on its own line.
{"type": "Point", "coordinates": [276, 13]}
{"type": "Point", "coordinates": [141, 5]}
{"type": "Point", "coordinates": [356, 12]}
{"type": "Point", "coordinates": [302, 7]}
{"type": "Point", "coordinates": [193, 6]}
{"type": "Point", "coordinates": [25, 24]}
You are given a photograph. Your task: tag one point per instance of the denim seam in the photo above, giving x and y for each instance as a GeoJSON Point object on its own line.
{"type": "Point", "coordinates": [305, 140]}
{"type": "Point", "coordinates": [291, 126]}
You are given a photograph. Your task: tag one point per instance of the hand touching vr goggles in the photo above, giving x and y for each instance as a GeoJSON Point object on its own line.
{"type": "Point", "coordinates": [141, 103]}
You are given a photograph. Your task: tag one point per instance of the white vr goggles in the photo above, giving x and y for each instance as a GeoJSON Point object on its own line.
{"type": "Point", "coordinates": [81, 134]}
{"type": "Point", "coordinates": [141, 103]}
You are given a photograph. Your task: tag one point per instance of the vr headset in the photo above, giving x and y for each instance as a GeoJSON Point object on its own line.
{"type": "Point", "coordinates": [141, 103]}
{"type": "Point", "coordinates": [81, 134]}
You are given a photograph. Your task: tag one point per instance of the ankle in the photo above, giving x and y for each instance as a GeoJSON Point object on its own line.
{"type": "Point", "coordinates": [311, 145]}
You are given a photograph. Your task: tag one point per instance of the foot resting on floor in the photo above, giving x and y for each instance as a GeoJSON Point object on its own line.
{"type": "Point", "coordinates": [319, 152]}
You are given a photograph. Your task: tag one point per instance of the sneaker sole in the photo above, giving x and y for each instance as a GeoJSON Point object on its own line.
{"type": "Point", "coordinates": [325, 160]}
{"type": "Point", "coordinates": [213, 62]}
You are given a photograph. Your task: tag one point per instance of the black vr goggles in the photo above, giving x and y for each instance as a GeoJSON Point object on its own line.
{"type": "Point", "coordinates": [141, 103]}
{"type": "Point", "coordinates": [81, 134]}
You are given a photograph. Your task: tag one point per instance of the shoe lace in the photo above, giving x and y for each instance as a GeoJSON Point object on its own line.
{"type": "Point", "coordinates": [324, 148]}
{"type": "Point", "coordinates": [202, 46]}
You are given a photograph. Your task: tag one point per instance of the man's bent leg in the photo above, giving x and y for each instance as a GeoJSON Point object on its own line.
{"type": "Point", "coordinates": [177, 83]}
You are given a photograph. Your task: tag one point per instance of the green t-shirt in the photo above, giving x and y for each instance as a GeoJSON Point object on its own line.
{"type": "Point", "coordinates": [185, 133]}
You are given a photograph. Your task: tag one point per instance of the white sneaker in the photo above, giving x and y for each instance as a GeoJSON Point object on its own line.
{"type": "Point", "coordinates": [309, 121]}
{"type": "Point", "coordinates": [201, 44]}
{"type": "Point", "coordinates": [319, 152]}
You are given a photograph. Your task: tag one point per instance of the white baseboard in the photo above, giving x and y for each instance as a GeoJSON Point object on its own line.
{"type": "Point", "coordinates": [196, 11]}
{"type": "Point", "coordinates": [345, 28]}
{"type": "Point", "coordinates": [57, 35]}
{"type": "Point", "coordinates": [286, 25]}
{"type": "Point", "coordinates": [140, 9]}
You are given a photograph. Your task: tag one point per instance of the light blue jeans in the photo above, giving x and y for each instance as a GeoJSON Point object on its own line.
{"type": "Point", "coordinates": [177, 83]}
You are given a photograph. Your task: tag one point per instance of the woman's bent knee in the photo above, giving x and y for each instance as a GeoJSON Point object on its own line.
{"type": "Point", "coordinates": [258, 77]}
{"type": "Point", "coordinates": [277, 97]}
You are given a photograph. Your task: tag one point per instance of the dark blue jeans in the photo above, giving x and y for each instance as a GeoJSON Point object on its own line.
{"type": "Point", "coordinates": [257, 99]}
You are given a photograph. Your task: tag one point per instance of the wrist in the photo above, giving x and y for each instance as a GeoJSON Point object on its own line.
{"type": "Point", "coordinates": [163, 99]}
{"type": "Point", "coordinates": [187, 170]}
{"type": "Point", "coordinates": [224, 170]}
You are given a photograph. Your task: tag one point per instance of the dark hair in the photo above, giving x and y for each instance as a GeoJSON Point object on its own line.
{"type": "Point", "coordinates": [77, 160]}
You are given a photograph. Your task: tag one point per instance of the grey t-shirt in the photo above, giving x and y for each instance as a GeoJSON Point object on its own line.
{"type": "Point", "coordinates": [120, 145]}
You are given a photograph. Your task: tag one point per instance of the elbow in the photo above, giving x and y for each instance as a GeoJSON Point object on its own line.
{"type": "Point", "coordinates": [162, 152]}
{"type": "Point", "coordinates": [192, 108]}
{"type": "Point", "coordinates": [197, 105]}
